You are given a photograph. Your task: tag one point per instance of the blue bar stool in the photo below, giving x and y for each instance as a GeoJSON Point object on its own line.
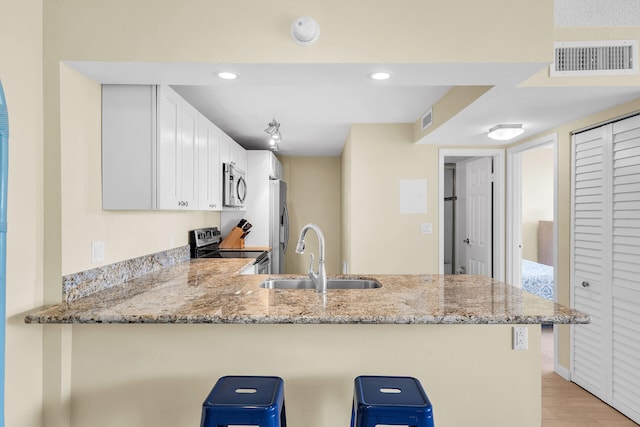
{"type": "Point", "coordinates": [391, 401]}
{"type": "Point", "coordinates": [244, 400]}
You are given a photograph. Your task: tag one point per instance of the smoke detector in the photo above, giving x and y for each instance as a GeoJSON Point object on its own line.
{"type": "Point", "coordinates": [305, 30]}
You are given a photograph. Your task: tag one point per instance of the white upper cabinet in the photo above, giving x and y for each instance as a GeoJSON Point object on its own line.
{"type": "Point", "coordinates": [209, 166]}
{"type": "Point", "coordinates": [232, 152]}
{"type": "Point", "coordinates": [158, 152]}
{"type": "Point", "coordinates": [128, 147]}
{"type": "Point", "coordinates": [239, 156]}
{"type": "Point", "coordinates": [176, 152]}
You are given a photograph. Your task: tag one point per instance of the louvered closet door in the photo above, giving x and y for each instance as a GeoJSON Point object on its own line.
{"type": "Point", "coordinates": [589, 251]}
{"type": "Point", "coordinates": [626, 267]}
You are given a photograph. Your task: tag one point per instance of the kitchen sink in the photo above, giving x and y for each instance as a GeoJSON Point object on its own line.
{"type": "Point", "coordinates": [331, 284]}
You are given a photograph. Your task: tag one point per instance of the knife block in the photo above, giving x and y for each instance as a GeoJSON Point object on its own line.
{"type": "Point", "coordinates": [233, 240]}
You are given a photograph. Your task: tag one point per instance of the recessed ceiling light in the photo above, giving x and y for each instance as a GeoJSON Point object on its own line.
{"type": "Point", "coordinates": [227, 75]}
{"type": "Point", "coordinates": [382, 75]}
{"type": "Point", "coordinates": [505, 132]}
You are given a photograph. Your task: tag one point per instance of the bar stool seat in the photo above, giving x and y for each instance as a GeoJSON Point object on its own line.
{"type": "Point", "coordinates": [245, 400]}
{"type": "Point", "coordinates": [390, 401]}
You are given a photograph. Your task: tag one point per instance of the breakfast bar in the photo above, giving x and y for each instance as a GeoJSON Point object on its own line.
{"type": "Point", "coordinates": [180, 328]}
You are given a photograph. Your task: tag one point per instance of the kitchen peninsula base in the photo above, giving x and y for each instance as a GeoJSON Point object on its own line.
{"type": "Point", "coordinates": [159, 375]}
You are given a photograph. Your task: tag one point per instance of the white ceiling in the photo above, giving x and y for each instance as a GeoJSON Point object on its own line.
{"type": "Point", "coordinates": [317, 103]}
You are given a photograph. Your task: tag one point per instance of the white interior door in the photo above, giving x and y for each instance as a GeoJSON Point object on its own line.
{"type": "Point", "coordinates": [590, 248]}
{"type": "Point", "coordinates": [625, 258]}
{"type": "Point", "coordinates": [479, 218]}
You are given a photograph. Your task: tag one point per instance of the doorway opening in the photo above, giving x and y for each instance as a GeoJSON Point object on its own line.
{"type": "Point", "coordinates": [532, 221]}
{"type": "Point", "coordinates": [471, 202]}
{"type": "Point", "coordinates": [450, 229]}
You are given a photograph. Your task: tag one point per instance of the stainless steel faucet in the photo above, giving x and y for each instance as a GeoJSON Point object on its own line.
{"type": "Point", "coordinates": [319, 279]}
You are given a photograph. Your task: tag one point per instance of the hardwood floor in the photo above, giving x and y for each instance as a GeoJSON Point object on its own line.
{"type": "Point", "coordinates": [565, 404]}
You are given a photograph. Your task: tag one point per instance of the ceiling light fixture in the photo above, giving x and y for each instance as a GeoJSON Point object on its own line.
{"type": "Point", "coordinates": [505, 132]}
{"type": "Point", "coordinates": [381, 75]}
{"type": "Point", "coordinates": [273, 129]}
{"type": "Point", "coordinates": [227, 75]}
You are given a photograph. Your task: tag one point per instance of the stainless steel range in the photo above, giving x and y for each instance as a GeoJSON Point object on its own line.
{"type": "Point", "coordinates": [204, 243]}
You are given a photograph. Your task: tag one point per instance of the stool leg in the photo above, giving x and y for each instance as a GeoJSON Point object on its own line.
{"type": "Point", "coordinates": [353, 415]}
{"type": "Point", "coordinates": [283, 416]}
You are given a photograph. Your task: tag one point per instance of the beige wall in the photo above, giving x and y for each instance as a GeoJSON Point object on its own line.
{"type": "Point", "coordinates": [313, 196]}
{"type": "Point", "coordinates": [381, 239]}
{"type": "Point", "coordinates": [21, 75]}
{"type": "Point", "coordinates": [537, 196]}
{"type": "Point", "coordinates": [166, 371]}
{"type": "Point", "coordinates": [254, 31]}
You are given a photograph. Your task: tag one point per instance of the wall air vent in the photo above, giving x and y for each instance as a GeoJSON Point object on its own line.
{"type": "Point", "coordinates": [595, 58]}
{"type": "Point", "coordinates": [427, 119]}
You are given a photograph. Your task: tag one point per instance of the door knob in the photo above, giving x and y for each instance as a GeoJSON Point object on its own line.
{"type": "Point", "coordinates": [585, 284]}
{"type": "Point", "coordinates": [466, 241]}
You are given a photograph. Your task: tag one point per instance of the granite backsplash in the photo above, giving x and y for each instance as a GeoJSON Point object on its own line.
{"type": "Point", "coordinates": [84, 283]}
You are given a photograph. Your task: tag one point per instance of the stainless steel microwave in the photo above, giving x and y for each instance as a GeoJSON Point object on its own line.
{"type": "Point", "coordinates": [235, 186]}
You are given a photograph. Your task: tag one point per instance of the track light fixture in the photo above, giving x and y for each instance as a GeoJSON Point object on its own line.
{"type": "Point", "coordinates": [273, 129]}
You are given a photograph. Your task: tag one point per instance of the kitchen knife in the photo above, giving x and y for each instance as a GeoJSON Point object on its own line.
{"type": "Point", "coordinates": [241, 223]}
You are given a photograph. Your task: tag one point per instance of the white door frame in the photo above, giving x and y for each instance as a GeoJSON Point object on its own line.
{"type": "Point", "coordinates": [514, 220]}
{"type": "Point", "coordinates": [498, 155]}
{"type": "Point", "coordinates": [514, 205]}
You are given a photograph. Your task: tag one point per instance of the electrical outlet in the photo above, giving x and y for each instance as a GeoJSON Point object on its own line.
{"type": "Point", "coordinates": [520, 338]}
{"type": "Point", "coordinates": [97, 251]}
{"type": "Point", "coordinates": [426, 228]}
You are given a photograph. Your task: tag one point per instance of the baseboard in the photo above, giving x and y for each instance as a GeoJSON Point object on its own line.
{"type": "Point", "coordinates": [562, 371]}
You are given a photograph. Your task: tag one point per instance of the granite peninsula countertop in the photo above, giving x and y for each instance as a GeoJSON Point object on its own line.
{"type": "Point", "coordinates": [212, 291]}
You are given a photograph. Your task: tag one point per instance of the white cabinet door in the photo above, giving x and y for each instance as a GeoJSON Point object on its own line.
{"type": "Point", "coordinates": [128, 147]}
{"type": "Point", "coordinates": [209, 167]}
{"type": "Point", "coordinates": [225, 148]}
{"type": "Point", "coordinates": [188, 160]}
{"type": "Point", "coordinates": [242, 158]}
{"type": "Point", "coordinates": [176, 151]}
{"type": "Point", "coordinates": [168, 146]}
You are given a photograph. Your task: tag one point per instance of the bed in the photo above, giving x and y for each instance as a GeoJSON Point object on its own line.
{"type": "Point", "coordinates": [537, 277]}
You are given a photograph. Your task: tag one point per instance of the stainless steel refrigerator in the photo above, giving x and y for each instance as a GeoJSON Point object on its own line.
{"type": "Point", "coordinates": [265, 207]}
{"type": "Point", "coordinates": [279, 224]}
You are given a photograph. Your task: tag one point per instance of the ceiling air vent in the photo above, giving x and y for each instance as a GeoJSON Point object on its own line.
{"type": "Point", "coordinates": [427, 119]}
{"type": "Point", "coordinates": [595, 58]}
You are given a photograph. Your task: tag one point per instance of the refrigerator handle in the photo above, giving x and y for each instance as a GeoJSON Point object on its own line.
{"type": "Point", "coordinates": [285, 225]}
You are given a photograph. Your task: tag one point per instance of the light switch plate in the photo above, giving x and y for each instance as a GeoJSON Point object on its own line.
{"type": "Point", "coordinates": [426, 228]}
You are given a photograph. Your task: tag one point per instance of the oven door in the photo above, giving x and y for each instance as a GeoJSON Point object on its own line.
{"type": "Point", "coordinates": [264, 266]}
